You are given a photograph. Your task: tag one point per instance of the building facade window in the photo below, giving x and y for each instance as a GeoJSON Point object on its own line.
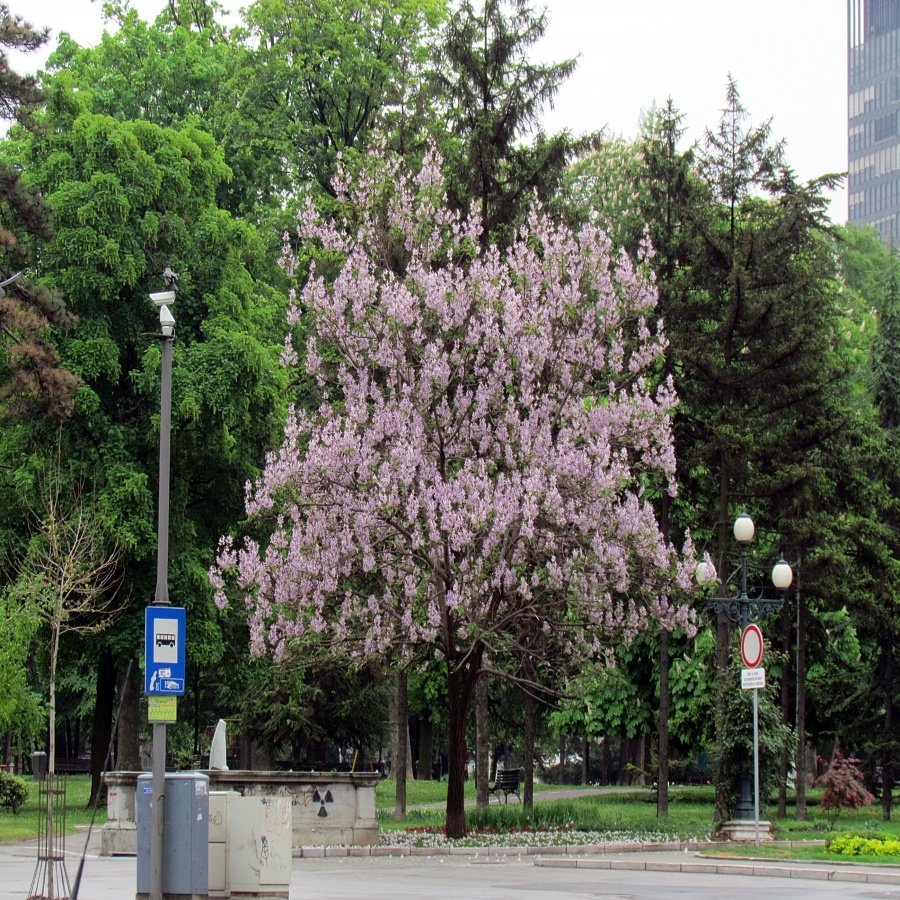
{"type": "Point", "coordinates": [873, 112]}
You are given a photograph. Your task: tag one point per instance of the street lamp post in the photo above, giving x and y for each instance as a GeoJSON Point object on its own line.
{"type": "Point", "coordinates": [161, 598]}
{"type": "Point", "coordinates": [743, 608]}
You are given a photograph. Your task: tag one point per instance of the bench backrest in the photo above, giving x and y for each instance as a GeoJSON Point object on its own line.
{"type": "Point", "coordinates": [509, 776]}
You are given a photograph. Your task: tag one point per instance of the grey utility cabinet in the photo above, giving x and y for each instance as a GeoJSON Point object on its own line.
{"type": "Point", "coordinates": [186, 837]}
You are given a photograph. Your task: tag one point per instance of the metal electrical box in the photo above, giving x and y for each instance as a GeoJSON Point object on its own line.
{"type": "Point", "coordinates": [259, 846]}
{"type": "Point", "coordinates": [186, 837]}
{"type": "Point", "coordinates": [218, 842]}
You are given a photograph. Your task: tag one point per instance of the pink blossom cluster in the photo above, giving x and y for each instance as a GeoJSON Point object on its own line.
{"type": "Point", "coordinates": [492, 427]}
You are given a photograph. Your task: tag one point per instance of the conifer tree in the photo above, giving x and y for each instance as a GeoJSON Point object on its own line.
{"type": "Point", "coordinates": [495, 96]}
{"type": "Point", "coordinates": [756, 338]}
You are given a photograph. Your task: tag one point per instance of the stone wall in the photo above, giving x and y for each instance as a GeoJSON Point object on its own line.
{"type": "Point", "coordinates": [327, 808]}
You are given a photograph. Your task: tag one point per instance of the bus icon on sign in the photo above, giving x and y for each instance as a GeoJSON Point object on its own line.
{"type": "Point", "coordinates": [165, 640]}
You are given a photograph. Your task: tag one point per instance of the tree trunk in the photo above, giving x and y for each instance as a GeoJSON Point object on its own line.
{"type": "Point", "coordinates": [482, 741]}
{"type": "Point", "coordinates": [800, 675]}
{"type": "Point", "coordinates": [662, 776]}
{"type": "Point", "coordinates": [426, 749]}
{"type": "Point", "coordinates": [528, 796]}
{"type": "Point", "coordinates": [101, 728]}
{"type": "Point", "coordinates": [784, 762]}
{"type": "Point", "coordinates": [585, 760]}
{"type": "Point", "coordinates": [198, 678]}
{"type": "Point", "coordinates": [604, 760]}
{"type": "Point", "coordinates": [458, 710]}
{"type": "Point", "coordinates": [887, 761]}
{"type": "Point", "coordinates": [128, 730]}
{"type": "Point", "coordinates": [401, 761]}
{"type": "Point", "coordinates": [51, 750]}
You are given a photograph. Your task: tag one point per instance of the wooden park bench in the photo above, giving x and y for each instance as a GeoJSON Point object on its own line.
{"type": "Point", "coordinates": [508, 782]}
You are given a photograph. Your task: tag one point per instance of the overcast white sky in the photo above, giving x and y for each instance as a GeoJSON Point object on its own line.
{"type": "Point", "coordinates": [787, 56]}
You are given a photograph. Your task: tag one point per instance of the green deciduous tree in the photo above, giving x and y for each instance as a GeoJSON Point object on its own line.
{"type": "Point", "coordinates": [321, 74]}
{"type": "Point", "coordinates": [130, 198]}
{"type": "Point", "coordinates": [29, 312]}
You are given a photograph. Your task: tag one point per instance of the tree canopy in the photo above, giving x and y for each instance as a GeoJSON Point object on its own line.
{"type": "Point", "coordinates": [480, 456]}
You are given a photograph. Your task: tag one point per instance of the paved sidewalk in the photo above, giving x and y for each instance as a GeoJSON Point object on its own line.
{"type": "Point", "coordinates": [439, 872]}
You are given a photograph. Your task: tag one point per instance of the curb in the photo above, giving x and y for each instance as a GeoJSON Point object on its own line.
{"type": "Point", "coordinates": [707, 868]}
{"type": "Point", "coordinates": [584, 856]}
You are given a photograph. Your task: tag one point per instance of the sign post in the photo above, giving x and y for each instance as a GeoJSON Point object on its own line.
{"type": "Point", "coordinates": [753, 678]}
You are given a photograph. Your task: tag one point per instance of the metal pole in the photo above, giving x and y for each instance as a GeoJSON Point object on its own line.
{"type": "Point", "coordinates": [756, 761]}
{"type": "Point", "coordinates": [161, 598]}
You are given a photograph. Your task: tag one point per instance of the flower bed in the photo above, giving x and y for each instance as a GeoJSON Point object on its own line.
{"type": "Point", "coordinates": [542, 837]}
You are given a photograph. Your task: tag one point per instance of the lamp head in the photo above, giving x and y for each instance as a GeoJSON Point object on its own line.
{"type": "Point", "coordinates": [704, 572]}
{"type": "Point", "coordinates": [744, 528]}
{"type": "Point", "coordinates": [782, 575]}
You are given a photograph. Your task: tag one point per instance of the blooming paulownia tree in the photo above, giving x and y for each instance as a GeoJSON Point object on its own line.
{"type": "Point", "coordinates": [480, 461]}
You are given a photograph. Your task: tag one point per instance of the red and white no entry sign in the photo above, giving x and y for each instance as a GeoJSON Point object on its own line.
{"type": "Point", "coordinates": [752, 646]}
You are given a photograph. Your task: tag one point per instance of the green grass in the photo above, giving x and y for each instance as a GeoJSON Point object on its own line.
{"type": "Point", "coordinates": [24, 825]}
{"type": "Point", "coordinates": [816, 854]}
{"type": "Point", "coordinates": [417, 792]}
{"type": "Point", "coordinates": [422, 792]}
{"type": "Point", "coordinates": [632, 814]}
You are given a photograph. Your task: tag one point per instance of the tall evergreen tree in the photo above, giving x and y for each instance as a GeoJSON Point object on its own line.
{"type": "Point", "coordinates": [756, 336]}
{"type": "Point", "coordinates": [495, 96]}
{"type": "Point", "coordinates": [886, 383]}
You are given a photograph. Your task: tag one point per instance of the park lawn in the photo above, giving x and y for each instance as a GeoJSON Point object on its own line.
{"type": "Point", "coordinates": [23, 825]}
{"type": "Point", "coordinates": [632, 815]}
{"type": "Point", "coordinates": [818, 823]}
{"type": "Point", "coordinates": [417, 792]}
{"type": "Point", "coordinates": [422, 792]}
{"type": "Point", "coordinates": [812, 853]}
{"type": "Point", "coordinates": [626, 815]}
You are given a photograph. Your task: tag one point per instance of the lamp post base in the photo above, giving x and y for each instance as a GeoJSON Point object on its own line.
{"type": "Point", "coordinates": [740, 830]}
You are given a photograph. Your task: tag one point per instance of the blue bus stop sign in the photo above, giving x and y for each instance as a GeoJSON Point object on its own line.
{"type": "Point", "coordinates": [164, 650]}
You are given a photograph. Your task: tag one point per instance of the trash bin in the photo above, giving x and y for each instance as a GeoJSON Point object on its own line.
{"type": "Point", "coordinates": [39, 765]}
{"type": "Point", "coordinates": [185, 839]}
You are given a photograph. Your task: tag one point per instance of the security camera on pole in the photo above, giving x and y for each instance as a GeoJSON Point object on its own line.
{"type": "Point", "coordinates": [165, 625]}
{"type": "Point", "coordinates": [743, 609]}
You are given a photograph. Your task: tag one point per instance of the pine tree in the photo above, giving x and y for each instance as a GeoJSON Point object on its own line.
{"type": "Point", "coordinates": [29, 367]}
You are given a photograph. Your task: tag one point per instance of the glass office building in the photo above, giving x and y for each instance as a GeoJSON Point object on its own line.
{"type": "Point", "coordinates": [873, 112]}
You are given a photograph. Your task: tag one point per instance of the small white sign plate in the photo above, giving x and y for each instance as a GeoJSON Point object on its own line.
{"type": "Point", "coordinates": [753, 678]}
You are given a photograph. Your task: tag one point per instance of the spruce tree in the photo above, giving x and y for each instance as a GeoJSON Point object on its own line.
{"type": "Point", "coordinates": [495, 96]}
{"type": "Point", "coordinates": [756, 339]}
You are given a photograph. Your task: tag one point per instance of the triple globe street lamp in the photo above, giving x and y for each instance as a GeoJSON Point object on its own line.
{"type": "Point", "coordinates": [744, 607]}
